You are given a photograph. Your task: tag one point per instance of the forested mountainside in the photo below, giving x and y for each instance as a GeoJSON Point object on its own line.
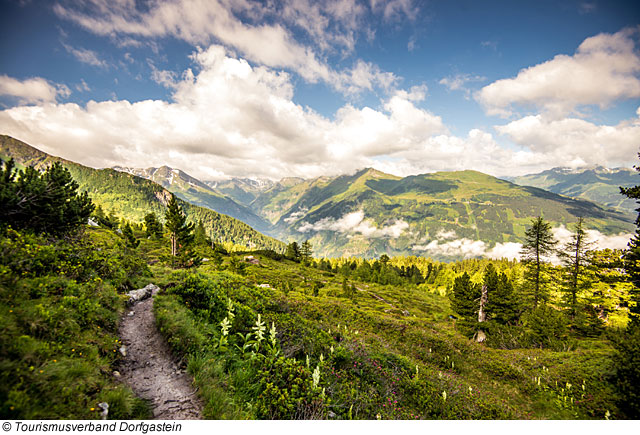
{"type": "Point", "coordinates": [370, 212]}
{"type": "Point", "coordinates": [196, 192]}
{"type": "Point", "coordinates": [131, 197]}
{"type": "Point", "coordinates": [597, 184]}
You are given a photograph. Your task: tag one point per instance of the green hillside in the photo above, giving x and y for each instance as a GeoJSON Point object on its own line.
{"type": "Point", "coordinates": [465, 204]}
{"type": "Point", "coordinates": [132, 197]}
{"type": "Point", "coordinates": [600, 185]}
{"type": "Point", "coordinates": [196, 192]}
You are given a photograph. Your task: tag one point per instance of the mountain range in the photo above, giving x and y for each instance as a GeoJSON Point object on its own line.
{"type": "Point", "coordinates": [444, 215]}
{"type": "Point", "coordinates": [597, 184]}
{"type": "Point", "coordinates": [132, 197]}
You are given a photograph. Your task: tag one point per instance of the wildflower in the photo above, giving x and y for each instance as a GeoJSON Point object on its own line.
{"type": "Point", "coordinates": [272, 334]}
{"type": "Point", "coordinates": [416, 369]}
{"type": "Point", "coordinates": [92, 409]}
{"type": "Point", "coordinates": [307, 361]}
{"type": "Point", "coordinates": [316, 376]}
{"type": "Point", "coordinates": [538, 381]}
{"type": "Point", "coordinates": [444, 396]}
{"type": "Point", "coordinates": [568, 386]}
{"type": "Point", "coordinates": [470, 389]}
{"type": "Point", "coordinates": [321, 358]}
{"type": "Point", "coordinates": [11, 408]}
{"type": "Point", "coordinates": [41, 371]}
{"type": "Point", "coordinates": [331, 349]}
{"type": "Point", "coordinates": [378, 417]}
{"type": "Point", "coordinates": [225, 326]}
{"type": "Point", "coordinates": [607, 415]}
{"type": "Point", "coordinates": [259, 329]}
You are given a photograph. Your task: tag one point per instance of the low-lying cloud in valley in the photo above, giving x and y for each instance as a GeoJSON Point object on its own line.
{"type": "Point", "coordinates": [445, 245]}
{"type": "Point", "coordinates": [356, 223]}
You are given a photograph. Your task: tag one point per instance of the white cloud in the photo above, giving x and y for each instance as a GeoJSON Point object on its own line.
{"type": "Point", "coordinates": [83, 86]}
{"type": "Point", "coordinates": [458, 82]}
{"type": "Point", "coordinates": [33, 90]}
{"type": "Point", "coordinates": [230, 116]}
{"type": "Point", "coordinates": [84, 55]}
{"type": "Point", "coordinates": [575, 142]}
{"type": "Point", "coordinates": [329, 24]}
{"type": "Point", "coordinates": [604, 69]}
{"type": "Point", "coordinates": [467, 248]}
{"type": "Point", "coordinates": [355, 223]}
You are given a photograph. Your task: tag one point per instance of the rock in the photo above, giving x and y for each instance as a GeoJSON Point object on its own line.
{"type": "Point", "coordinates": [105, 409]}
{"type": "Point", "coordinates": [331, 414]}
{"type": "Point", "coordinates": [123, 351]}
{"type": "Point", "coordinates": [92, 223]}
{"type": "Point", "coordinates": [264, 286]}
{"type": "Point", "coordinates": [131, 313]}
{"type": "Point", "coordinates": [142, 293]}
{"type": "Point", "coordinates": [119, 231]}
{"type": "Point", "coordinates": [116, 373]}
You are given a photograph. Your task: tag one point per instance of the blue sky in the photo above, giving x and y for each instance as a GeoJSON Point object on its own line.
{"type": "Point", "coordinates": [272, 89]}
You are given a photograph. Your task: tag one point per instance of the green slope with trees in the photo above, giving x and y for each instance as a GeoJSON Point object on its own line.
{"type": "Point", "coordinates": [132, 197]}
{"type": "Point", "coordinates": [273, 336]}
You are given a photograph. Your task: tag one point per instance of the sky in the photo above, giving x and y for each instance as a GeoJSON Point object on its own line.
{"type": "Point", "coordinates": [245, 88]}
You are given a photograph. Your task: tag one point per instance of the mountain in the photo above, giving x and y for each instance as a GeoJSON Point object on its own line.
{"type": "Point", "coordinates": [597, 184]}
{"type": "Point", "coordinates": [242, 190]}
{"type": "Point", "coordinates": [370, 213]}
{"type": "Point", "coordinates": [196, 192]}
{"type": "Point", "coordinates": [132, 197]}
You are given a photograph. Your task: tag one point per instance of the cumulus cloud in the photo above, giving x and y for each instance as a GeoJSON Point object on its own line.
{"type": "Point", "coordinates": [444, 246]}
{"type": "Point", "coordinates": [355, 223]}
{"type": "Point", "coordinates": [604, 69]}
{"type": "Point", "coordinates": [230, 118]}
{"type": "Point", "coordinates": [33, 90]}
{"type": "Point", "coordinates": [576, 142]}
{"type": "Point", "coordinates": [331, 24]}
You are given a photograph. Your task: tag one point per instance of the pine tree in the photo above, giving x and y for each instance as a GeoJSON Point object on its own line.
{"type": "Point", "coordinates": [628, 347]}
{"type": "Point", "coordinates": [293, 251]}
{"type": "Point", "coordinates": [127, 233]}
{"type": "Point", "coordinates": [46, 202]}
{"type": "Point", "coordinates": [502, 304]}
{"type": "Point", "coordinates": [153, 225]}
{"type": "Point", "coordinates": [465, 297]}
{"type": "Point", "coordinates": [200, 235]}
{"type": "Point", "coordinates": [306, 250]}
{"type": "Point", "coordinates": [574, 258]}
{"type": "Point", "coordinates": [539, 243]}
{"type": "Point", "coordinates": [180, 232]}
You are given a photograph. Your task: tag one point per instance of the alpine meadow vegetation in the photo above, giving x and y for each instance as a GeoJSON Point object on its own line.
{"type": "Point", "coordinates": [281, 334]}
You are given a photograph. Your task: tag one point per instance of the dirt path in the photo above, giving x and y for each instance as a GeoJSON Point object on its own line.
{"type": "Point", "coordinates": [150, 369]}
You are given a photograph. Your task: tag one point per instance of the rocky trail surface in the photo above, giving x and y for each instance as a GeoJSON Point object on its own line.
{"type": "Point", "coordinates": [150, 369]}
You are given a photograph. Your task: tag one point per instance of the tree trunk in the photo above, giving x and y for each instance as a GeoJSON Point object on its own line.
{"type": "Point", "coordinates": [482, 315]}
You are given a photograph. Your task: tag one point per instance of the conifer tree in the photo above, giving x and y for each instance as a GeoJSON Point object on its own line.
{"type": "Point", "coordinates": [502, 304]}
{"type": "Point", "coordinates": [306, 250]}
{"type": "Point", "coordinates": [46, 202]}
{"type": "Point", "coordinates": [127, 233]}
{"type": "Point", "coordinates": [539, 243]}
{"type": "Point", "coordinates": [180, 232]}
{"type": "Point", "coordinates": [293, 251]}
{"type": "Point", "coordinates": [200, 235]}
{"type": "Point", "coordinates": [628, 347]}
{"type": "Point", "coordinates": [574, 258]}
{"type": "Point", "coordinates": [464, 297]}
{"type": "Point", "coordinates": [153, 225]}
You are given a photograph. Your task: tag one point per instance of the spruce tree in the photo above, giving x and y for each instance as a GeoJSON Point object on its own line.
{"type": "Point", "coordinates": [539, 243]}
{"type": "Point", "coordinates": [153, 225]}
{"type": "Point", "coordinates": [293, 251]}
{"type": "Point", "coordinates": [627, 360]}
{"type": "Point", "coordinates": [465, 297]}
{"type": "Point", "coordinates": [46, 202]}
{"type": "Point", "coordinates": [575, 260]}
{"type": "Point", "coordinates": [502, 304]}
{"type": "Point", "coordinates": [180, 232]}
{"type": "Point", "coordinates": [200, 235]}
{"type": "Point", "coordinates": [306, 250]}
